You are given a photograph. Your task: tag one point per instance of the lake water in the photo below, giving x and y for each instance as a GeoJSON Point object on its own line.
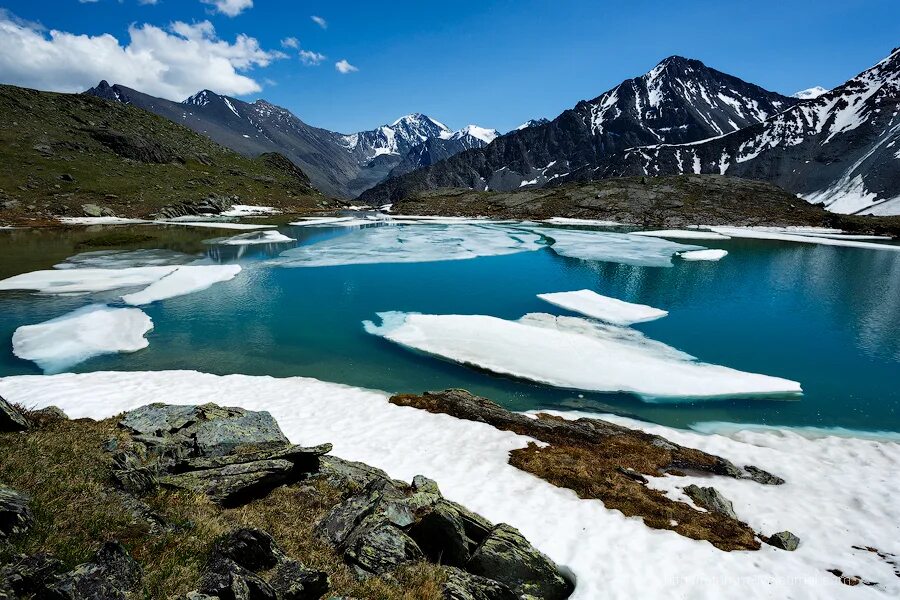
{"type": "Point", "coordinates": [827, 317]}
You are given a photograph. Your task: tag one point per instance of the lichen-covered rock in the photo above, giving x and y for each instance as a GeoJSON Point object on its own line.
{"type": "Point", "coordinates": [461, 585]}
{"type": "Point", "coordinates": [112, 575]}
{"type": "Point", "coordinates": [48, 415]}
{"type": "Point", "coordinates": [15, 513]}
{"type": "Point", "coordinates": [251, 548]}
{"type": "Point", "coordinates": [785, 540]}
{"type": "Point", "coordinates": [11, 418]}
{"type": "Point", "coordinates": [225, 579]}
{"type": "Point", "coordinates": [380, 547]}
{"type": "Point", "coordinates": [349, 474]}
{"type": "Point", "coordinates": [207, 430]}
{"type": "Point", "coordinates": [25, 575]}
{"type": "Point", "coordinates": [506, 556]}
{"type": "Point", "coordinates": [711, 499]}
{"type": "Point", "coordinates": [763, 477]}
{"type": "Point", "coordinates": [441, 535]}
{"type": "Point", "coordinates": [292, 581]}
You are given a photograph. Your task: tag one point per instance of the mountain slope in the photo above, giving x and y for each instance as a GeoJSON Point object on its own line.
{"type": "Point", "coordinates": [840, 149]}
{"type": "Point", "coordinates": [678, 101]}
{"type": "Point", "coordinates": [339, 164]}
{"type": "Point", "coordinates": [61, 151]}
{"type": "Point", "coordinates": [437, 149]}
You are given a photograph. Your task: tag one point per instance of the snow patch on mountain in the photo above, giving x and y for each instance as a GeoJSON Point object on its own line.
{"type": "Point", "coordinates": [810, 93]}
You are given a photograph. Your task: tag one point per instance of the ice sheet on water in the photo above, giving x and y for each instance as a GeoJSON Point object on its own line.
{"type": "Point", "coordinates": [74, 281]}
{"type": "Point", "coordinates": [710, 255]}
{"type": "Point", "coordinates": [614, 247]}
{"type": "Point", "coordinates": [810, 237]}
{"type": "Point", "coordinates": [251, 239]}
{"type": "Point", "coordinates": [585, 222]}
{"type": "Point", "coordinates": [851, 486]}
{"type": "Point", "coordinates": [404, 244]}
{"type": "Point", "coordinates": [571, 352]}
{"type": "Point", "coordinates": [611, 310]}
{"type": "Point", "coordinates": [683, 234]}
{"type": "Point", "coordinates": [100, 221]}
{"type": "Point", "coordinates": [125, 259]}
{"type": "Point", "coordinates": [182, 281]}
{"type": "Point", "coordinates": [247, 210]}
{"type": "Point", "coordinates": [215, 224]}
{"type": "Point", "coordinates": [90, 331]}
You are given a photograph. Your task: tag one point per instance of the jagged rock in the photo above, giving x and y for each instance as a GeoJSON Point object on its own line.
{"type": "Point", "coordinates": [292, 581]}
{"type": "Point", "coordinates": [506, 556]}
{"type": "Point", "coordinates": [45, 416]}
{"type": "Point", "coordinates": [461, 585]}
{"type": "Point", "coordinates": [632, 474]}
{"type": "Point", "coordinates": [420, 483]}
{"type": "Point", "coordinates": [11, 418]}
{"type": "Point", "coordinates": [763, 477]}
{"type": "Point", "coordinates": [211, 205]}
{"type": "Point", "coordinates": [130, 475]}
{"type": "Point", "coordinates": [238, 478]}
{"type": "Point", "coordinates": [380, 547]}
{"type": "Point", "coordinates": [442, 536]}
{"type": "Point", "coordinates": [15, 513]}
{"type": "Point", "coordinates": [27, 575]}
{"type": "Point", "coordinates": [206, 430]}
{"type": "Point", "coordinates": [711, 499]}
{"type": "Point", "coordinates": [225, 579]}
{"type": "Point", "coordinates": [112, 575]}
{"type": "Point", "coordinates": [250, 548]}
{"type": "Point", "coordinates": [348, 474]}
{"type": "Point", "coordinates": [784, 540]}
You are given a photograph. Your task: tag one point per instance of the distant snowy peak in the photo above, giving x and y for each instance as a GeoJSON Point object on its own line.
{"type": "Point", "coordinates": [532, 123]}
{"type": "Point", "coordinates": [479, 133]}
{"type": "Point", "coordinates": [201, 98]}
{"type": "Point", "coordinates": [810, 93]}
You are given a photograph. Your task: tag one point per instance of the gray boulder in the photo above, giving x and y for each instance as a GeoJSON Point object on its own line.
{"type": "Point", "coordinates": [461, 585]}
{"type": "Point", "coordinates": [441, 535]}
{"type": "Point", "coordinates": [252, 549]}
{"type": "Point", "coordinates": [225, 579]}
{"type": "Point", "coordinates": [25, 576]}
{"type": "Point", "coordinates": [206, 430]}
{"type": "Point", "coordinates": [15, 513]}
{"type": "Point", "coordinates": [380, 547]}
{"type": "Point", "coordinates": [785, 540]}
{"type": "Point", "coordinates": [507, 557]}
{"type": "Point", "coordinates": [763, 477]}
{"type": "Point", "coordinates": [11, 418]}
{"type": "Point", "coordinates": [112, 575]}
{"type": "Point", "coordinates": [292, 581]}
{"type": "Point", "coordinates": [711, 499]}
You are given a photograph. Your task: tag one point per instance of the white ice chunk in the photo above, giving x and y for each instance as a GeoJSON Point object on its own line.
{"type": "Point", "coordinates": [607, 309]}
{"type": "Point", "coordinates": [259, 237]}
{"type": "Point", "coordinates": [60, 343]}
{"type": "Point", "coordinates": [412, 244]}
{"type": "Point", "coordinates": [810, 238]}
{"type": "Point", "coordinates": [125, 259]}
{"type": "Point", "coordinates": [711, 255]}
{"type": "Point", "coordinates": [569, 352]}
{"type": "Point", "coordinates": [309, 221]}
{"type": "Point", "coordinates": [74, 281]}
{"type": "Point", "coordinates": [850, 482]}
{"type": "Point", "coordinates": [183, 280]}
{"type": "Point", "coordinates": [247, 210]}
{"type": "Point", "coordinates": [615, 247]}
{"type": "Point", "coordinates": [586, 222]}
{"type": "Point", "coordinates": [683, 234]}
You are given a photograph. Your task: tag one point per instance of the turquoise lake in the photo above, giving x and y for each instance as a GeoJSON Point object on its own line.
{"type": "Point", "coordinates": [827, 317]}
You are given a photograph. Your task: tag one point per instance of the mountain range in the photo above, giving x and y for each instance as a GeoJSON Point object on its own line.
{"type": "Point", "coordinates": [839, 148]}
{"type": "Point", "coordinates": [338, 164]}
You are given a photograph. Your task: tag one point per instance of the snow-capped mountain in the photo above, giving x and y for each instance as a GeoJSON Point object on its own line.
{"type": "Point", "coordinates": [532, 123]}
{"type": "Point", "coordinates": [810, 93]}
{"type": "Point", "coordinates": [443, 147]}
{"type": "Point", "coordinates": [840, 149]}
{"type": "Point", "coordinates": [680, 100]}
{"type": "Point", "coordinates": [338, 164]}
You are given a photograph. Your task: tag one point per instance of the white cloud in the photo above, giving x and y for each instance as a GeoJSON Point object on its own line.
{"type": "Point", "coordinates": [320, 21]}
{"type": "Point", "coordinates": [232, 8]}
{"type": "Point", "coordinates": [344, 67]}
{"type": "Point", "coordinates": [290, 42]}
{"type": "Point", "coordinates": [310, 58]}
{"type": "Point", "coordinates": [172, 63]}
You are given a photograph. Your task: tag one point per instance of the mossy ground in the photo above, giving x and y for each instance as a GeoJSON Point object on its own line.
{"type": "Point", "coordinates": [63, 468]}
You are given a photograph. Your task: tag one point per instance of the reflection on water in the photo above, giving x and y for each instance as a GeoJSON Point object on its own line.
{"type": "Point", "coordinates": [827, 317]}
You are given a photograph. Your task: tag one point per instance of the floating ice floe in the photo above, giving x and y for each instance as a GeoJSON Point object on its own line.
{"type": "Point", "coordinates": [215, 224]}
{"type": "Point", "coordinates": [122, 259]}
{"type": "Point", "coordinates": [247, 210]}
{"type": "Point", "coordinates": [575, 353]}
{"type": "Point", "coordinates": [60, 343]}
{"type": "Point", "coordinates": [712, 255]}
{"type": "Point", "coordinates": [259, 237]}
{"type": "Point", "coordinates": [615, 247]}
{"type": "Point", "coordinates": [78, 281]}
{"type": "Point", "coordinates": [806, 238]}
{"type": "Point", "coordinates": [182, 281]}
{"type": "Point", "coordinates": [585, 222]}
{"type": "Point", "coordinates": [310, 221]}
{"type": "Point", "coordinates": [683, 234]}
{"type": "Point", "coordinates": [412, 244]}
{"type": "Point", "coordinates": [101, 221]}
{"type": "Point", "coordinates": [840, 492]}
{"type": "Point", "coordinates": [607, 309]}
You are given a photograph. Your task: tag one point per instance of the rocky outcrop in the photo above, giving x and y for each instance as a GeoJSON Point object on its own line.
{"type": "Point", "coordinates": [111, 575]}
{"type": "Point", "coordinates": [711, 499]}
{"type": "Point", "coordinates": [135, 147]}
{"type": "Point", "coordinates": [389, 523]}
{"type": "Point", "coordinates": [15, 513]}
{"type": "Point", "coordinates": [213, 204]}
{"type": "Point", "coordinates": [11, 418]}
{"type": "Point", "coordinates": [26, 576]}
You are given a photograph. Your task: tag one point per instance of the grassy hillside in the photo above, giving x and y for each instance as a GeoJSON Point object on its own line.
{"type": "Point", "coordinates": [59, 152]}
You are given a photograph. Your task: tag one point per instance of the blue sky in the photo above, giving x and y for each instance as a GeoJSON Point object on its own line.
{"type": "Point", "coordinates": [496, 63]}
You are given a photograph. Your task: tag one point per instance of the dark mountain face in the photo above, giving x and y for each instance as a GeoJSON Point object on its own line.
{"type": "Point", "coordinates": [840, 149]}
{"type": "Point", "coordinates": [338, 164]}
{"type": "Point", "coordinates": [679, 101]}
